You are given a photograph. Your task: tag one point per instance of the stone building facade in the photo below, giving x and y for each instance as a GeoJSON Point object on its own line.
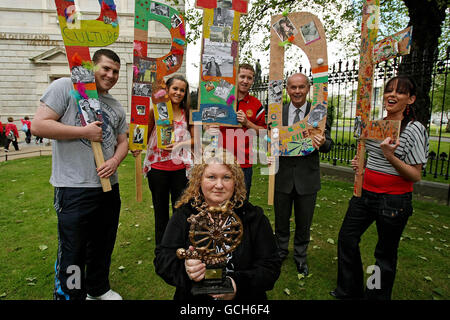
{"type": "Point", "coordinates": [32, 52]}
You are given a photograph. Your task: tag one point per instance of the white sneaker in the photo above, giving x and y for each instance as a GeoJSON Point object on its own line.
{"type": "Point", "coordinates": [109, 295]}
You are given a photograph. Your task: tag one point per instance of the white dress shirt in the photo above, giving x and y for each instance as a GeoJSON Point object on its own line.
{"type": "Point", "coordinates": [291, 113]}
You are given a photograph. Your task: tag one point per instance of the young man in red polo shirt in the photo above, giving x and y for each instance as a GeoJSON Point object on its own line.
{"type": "Point", "coordinates": [251, 115]}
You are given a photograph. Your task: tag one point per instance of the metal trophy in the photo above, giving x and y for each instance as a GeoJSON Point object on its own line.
{"type": "Point", "coordinates": [214, 233]}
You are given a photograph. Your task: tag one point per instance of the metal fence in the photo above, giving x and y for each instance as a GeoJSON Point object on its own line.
{"type": "Point", "coordinates": [342, 87]}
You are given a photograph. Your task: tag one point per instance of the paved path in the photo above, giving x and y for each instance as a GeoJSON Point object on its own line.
{"type": "Point", "coordinates": [26, 150]}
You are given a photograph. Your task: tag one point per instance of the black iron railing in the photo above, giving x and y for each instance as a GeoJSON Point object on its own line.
{"type": "Point", "coordinates": [342, 89]}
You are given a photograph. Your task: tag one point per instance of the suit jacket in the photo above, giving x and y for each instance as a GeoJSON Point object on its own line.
{"type": "Point", "coordinates": [301, 172]}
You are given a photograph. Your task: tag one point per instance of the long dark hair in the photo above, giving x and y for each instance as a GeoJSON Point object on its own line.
{"type": "Point", "coordinates": [186, 100]}
{"type": "Point", "coordinates": [406, 85]}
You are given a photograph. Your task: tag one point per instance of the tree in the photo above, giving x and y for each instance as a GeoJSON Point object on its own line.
{"type": "Point", "coordinates": [427, 19]}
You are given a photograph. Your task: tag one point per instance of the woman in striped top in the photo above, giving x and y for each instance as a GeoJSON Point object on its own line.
{"type": "Point", "coordinates": [392, 168]}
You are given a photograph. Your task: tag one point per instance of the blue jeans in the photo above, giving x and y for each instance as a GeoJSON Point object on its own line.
{"type": "Point", "coordinates": [390, 213]}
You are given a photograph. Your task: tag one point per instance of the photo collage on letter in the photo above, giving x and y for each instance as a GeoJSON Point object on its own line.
{"type": "Point", "coordinates": [285, 28]}
{"type": "Point", "coordinates": [309, 32]}
{"type": "Point", "coordinates": [144, 77]}
{"type": "Point", "coordinates": [90, 109]}
{"type": "Point", "coordinates": [217, 60]}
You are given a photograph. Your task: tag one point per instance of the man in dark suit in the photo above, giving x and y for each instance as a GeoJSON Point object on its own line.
{"type": "Point", "coordinates": [298, 178]}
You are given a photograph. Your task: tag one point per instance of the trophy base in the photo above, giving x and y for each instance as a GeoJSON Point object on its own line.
{"type": "Point", "coordinates": [212, 287]}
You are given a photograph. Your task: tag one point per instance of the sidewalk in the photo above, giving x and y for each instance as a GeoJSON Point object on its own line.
{"type": "Point", "coordinates": [26, 150]}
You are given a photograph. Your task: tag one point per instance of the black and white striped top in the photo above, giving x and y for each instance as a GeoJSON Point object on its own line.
{"type": "Point", "coordinates": [413, 149]}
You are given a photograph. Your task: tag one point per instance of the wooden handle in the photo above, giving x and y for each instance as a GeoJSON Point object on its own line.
{"type": "Point", "coordinates": [138, 166]}
{"type": "Point", "coordinates": [271, 187]}
{"type": "Point", "coordinates": [99, 160]}
{"type": "Point", "coordinates": [272, 145]}
{"type": "Point", "coordinates": [271, 190]}
{"type": "Point", "coordinates": [359, 174]}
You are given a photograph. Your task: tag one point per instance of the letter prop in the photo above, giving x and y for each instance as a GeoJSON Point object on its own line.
{"type": "Point", "coordinates": [148, 79]}
{"type": "Point", "coordinates": [219, 62]}
{"type": "Point", "coordinates": [371, 54]}
{"type": "Point", "coordinates": [304, 30]}
{"type": "Point", "coordinates": [78, 36]}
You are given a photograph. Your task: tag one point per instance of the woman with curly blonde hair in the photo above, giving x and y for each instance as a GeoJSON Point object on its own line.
{"type": "Point", "coordinates": [253, 267]}
{"type": "Point", "coordinates": [193, 191]}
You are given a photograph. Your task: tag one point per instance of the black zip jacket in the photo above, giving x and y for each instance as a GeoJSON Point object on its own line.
{"type": "Point", "coordinates": [255, 263]}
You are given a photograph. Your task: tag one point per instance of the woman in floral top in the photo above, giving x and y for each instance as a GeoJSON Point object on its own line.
{"type": "Point", "coordinates": [166, 169]}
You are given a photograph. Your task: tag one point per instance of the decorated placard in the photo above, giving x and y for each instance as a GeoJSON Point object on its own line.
{"type": "Point", "coordinates": [217, 98]}
{"type": "Point", "coordinates": [304, 30]}
{"type": "Point", "coordinates": [78, 35]}
{"type": "Point", "coordinates": [148, 74]}
{"type": "Point", "coordinates": [393, 46]}
{"type": "Point", "coordinates": [373, 52]}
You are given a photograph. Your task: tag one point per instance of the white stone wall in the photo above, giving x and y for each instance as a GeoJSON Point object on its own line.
{"type": "Point", "coordinates": [29, 29]}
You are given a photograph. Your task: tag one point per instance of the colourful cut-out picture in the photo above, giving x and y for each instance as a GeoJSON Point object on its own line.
{"type": "Point", "coordinates": [309, 32]}
{"type": "Point", "coordinates": [219, 61]}
{"type": "Point", "coordinates": [148, 73]}
{"type": "Point", "coordinates": [301, 147]}
{"type": "Point", "coordinates": [78, 35]}
{"type": "Point", "coordinates": [304, 30]}
{"type": "Point", "coordinates": [371, 53]}
{"type": "Point", "coordinates": [392, 46]}
{"type": "Point", "coordinates": [284, 28]}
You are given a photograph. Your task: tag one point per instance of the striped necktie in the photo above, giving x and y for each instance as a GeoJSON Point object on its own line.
{"type": "Point", "coordinates": [297, 115]}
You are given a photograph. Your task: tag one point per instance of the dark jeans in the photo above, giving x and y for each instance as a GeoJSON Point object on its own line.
{"type": "Point", "coordinates": [248, 173]}
{"type": "Point", "coordinates": [390, 213]}
{"type": "Point", "coordinates": [87, 228]}
{"type": "Point", "coordinates": [14, 142]}
{"type": "Point", "coordinates": [163, 184]}
{"type": "Point", "coordinates": [2, 139]}
{"type": "Point", "coordinates": [28, 136]}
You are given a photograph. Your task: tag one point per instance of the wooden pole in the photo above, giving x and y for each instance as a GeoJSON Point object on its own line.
{"type": "Point", "coordinates": [360, 153]}
{"type": "Point", "coordinates": [138, 166]}
{"type": "Point", "coordinates": [369, 32]}
{"type": "Point", "coordinates": [99, 160]}
{"type": "Point", "coordinates": [373, 52]}
{"type": "Point", "coordinates": [272, 145]}
{"type": "Point", "coordinates": [271, 191]}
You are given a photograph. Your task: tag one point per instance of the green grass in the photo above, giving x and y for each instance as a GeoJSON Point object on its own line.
{"type": "Point", "coordinates": [434, 131]}
{"type": "Point", "coordinates": [29, 241]}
